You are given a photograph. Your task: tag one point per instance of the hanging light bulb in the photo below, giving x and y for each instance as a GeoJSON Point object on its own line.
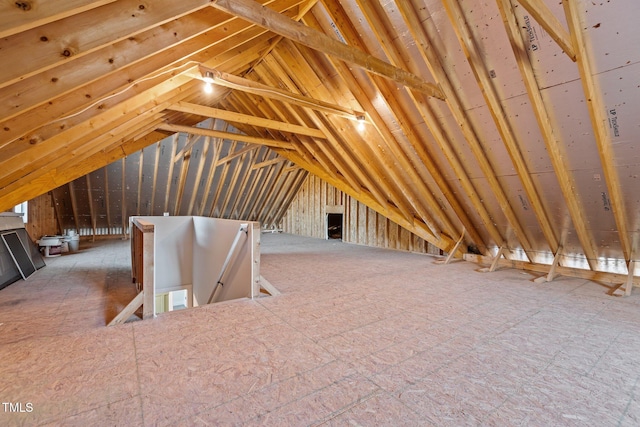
{"type": "Point", "coordinates": [360, 120]}
{"type": "Point", "coordinates": [208, 77]}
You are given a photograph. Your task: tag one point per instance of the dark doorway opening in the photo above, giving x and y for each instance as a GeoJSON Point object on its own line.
{"type": "Point", "coordinates": [334, 226]}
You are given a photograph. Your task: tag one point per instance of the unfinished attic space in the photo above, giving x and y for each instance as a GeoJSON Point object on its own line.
{"type": "Point", "coordinates": [320, 212]}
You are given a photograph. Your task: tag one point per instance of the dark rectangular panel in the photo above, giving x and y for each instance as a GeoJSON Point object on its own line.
{"type": "Point", "coordinates": [19, 254]}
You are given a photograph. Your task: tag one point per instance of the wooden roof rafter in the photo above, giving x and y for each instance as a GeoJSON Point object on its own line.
{"type": "Point", "coordinates": [216, 146]}
{"type": "Point", "coordinates": [74, 204]}
{"type": "Point", "coordinates": [107, 202]}
{"type": "Point", "coordinates": [378, 22]}
{"type": "Point", "coordinates": [543, 15]}
{"type": "Point", "coordinates": [231, 116]}
{"type": "Point", "coordinates": [237, 153]}
{"type": "Point", "coordinates": [287, 112]}
{"type": "Point", "coordinates": [267, 163]}
{"type": "Point", "coordinates": [240, 187]}
{"type": "Point", "coordinates": [240, 101]}
{"type": "Point", "coordinates": [599, 120]}
{"type": "Point", "coordinates": [408, 180]}
{"type": "Point", "coordinates": [279, 210]}
{"type": "Point", "coordinates": [289, 177]}
{"type": "Point", "coordinates": [183, 171]}
{"type": "Point", "coordinates": [69, 38]}
{"type": "Point", "coordinates": [214, 210]}
{"type": "Point", "coordinates": [102, 71]}
{"type": "Point", "coordinates": [92, 209]}
{"type": "Point", "coordinates": [261, 201]}
{"type": "Point", "coordinates": [303, 10]}
{"type": "Point", "coordinates": [97, 75]}
{"type": "Point", "coordinates": [202, 158]}
{"type": "Point", "coordinates": [351, 165]}
{"type": "Point", "coordinates": [320, 122]}
{"type": "Point", "coordinates": [244, 161]}
{"type": "Point", "coordinates": [19, 18]}
{"type": "Point", "coordinates": [388, 94]}
{"type": "Point", "coordinates": [363, 164]}
{"type": "Point", "coordinates": [302, 146]}
{"type": "Point", "coordinates": [254, 190]}
{"type": "Point", "coordinates": [273, 21]}
{"type": "Point", "coordinates": [279, 190]}
{"type": "Point", "coordinates": [174, 150]}
{"type": "Point", "coordinates": [140, 179]}
{"type": "Point", "coordinates": [47, 142]}
{"type": "Point", "coordinates": [504, 126]}
{"type": "Point", "coordinates": [329, 153]}
{"type": "Point", "coordinates": [156, 165]}
{"type": "Point", "coordinates": [557, 154]}
{"type": "Point", "coordinates": [225, 135]}
{"type": "Point", "coordinates": [108, 128]}
{"type": "Point", "coordinates": [256, 88]}
{"type": "Point", "coordinates": [434, 62]}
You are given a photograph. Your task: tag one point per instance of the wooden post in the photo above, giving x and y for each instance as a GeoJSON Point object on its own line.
{"type": "Point", "coordinates": [142, 265]}
{"type": "Point", "coordinates": [455, 248]}
{"type": "Point", "coordinates": [556, 261]}
{"type": "Point", "coordinates": [124, 202]}
{"type": "Point", "coordinates": [148, 285]}
{"type": "Point", "coordinates": [254, 235]}
{"type": "Point", "coordinates": [494, 264]}
{"type": "Point", "coordinates": [91, 208]}
{"type": "Point", "coordinates": [629, 285]}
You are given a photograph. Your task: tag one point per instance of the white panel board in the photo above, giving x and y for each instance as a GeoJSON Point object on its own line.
{"type": "Point", "coordinates": [527, 132]}
{"type": "Point", "coordinates": [173, 251]}
{"type": "Point", "coordinates": [612, 36]}
{"type": "Point", "coordinates": [572, 124]}
{"type": "Point", "coordinates": [213, 240]}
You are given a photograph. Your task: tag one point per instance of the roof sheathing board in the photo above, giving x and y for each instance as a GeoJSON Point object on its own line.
{"type": "Point", "coordinates": [621, 97]}
{"type": "Point", "coordinates": [611, 34]}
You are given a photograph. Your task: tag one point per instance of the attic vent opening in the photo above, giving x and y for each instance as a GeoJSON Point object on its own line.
{"type": "Point", "coordinates": [334, 226]}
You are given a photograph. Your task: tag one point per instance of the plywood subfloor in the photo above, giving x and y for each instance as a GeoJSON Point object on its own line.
{"type": "Point", "coordinates": [359, 336]}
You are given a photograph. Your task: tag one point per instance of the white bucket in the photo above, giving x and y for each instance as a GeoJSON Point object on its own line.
{"type": "Point", "coordinates": [74, 242]}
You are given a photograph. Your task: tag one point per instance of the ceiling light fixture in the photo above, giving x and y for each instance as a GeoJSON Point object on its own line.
{"type": "Point", "coordinates": [360, 118]}
{"type": "Point", "coordinates": [208, 77]}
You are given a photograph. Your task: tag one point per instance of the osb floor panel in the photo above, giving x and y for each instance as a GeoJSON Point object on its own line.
{"type": "Point", "coordinates": [359, 337]}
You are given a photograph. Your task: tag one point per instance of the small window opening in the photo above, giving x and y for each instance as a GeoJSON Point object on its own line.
{"type": "Point", "coordinates": [334, 226]}
{"type": "Point", "coordinates": [23, 208]}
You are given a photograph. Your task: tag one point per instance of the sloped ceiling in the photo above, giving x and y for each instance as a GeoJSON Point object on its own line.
{"type": "Point", "coordinates": [513, 122]}
{"type": "Point", "coordinates": [185, 174]}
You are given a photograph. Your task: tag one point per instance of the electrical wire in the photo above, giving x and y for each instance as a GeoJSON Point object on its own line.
{"type": "Point", "coordinates": [113, 95]}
